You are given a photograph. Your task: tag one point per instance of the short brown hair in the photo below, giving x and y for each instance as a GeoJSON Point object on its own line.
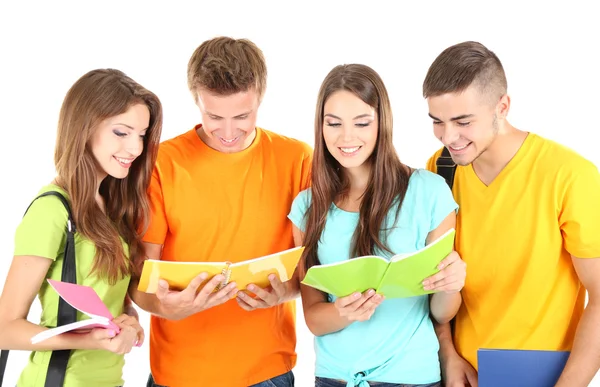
{"type": "Point", "coordinates": [226, 66]}
{"type": "Point", "coordinates": [462, 65]}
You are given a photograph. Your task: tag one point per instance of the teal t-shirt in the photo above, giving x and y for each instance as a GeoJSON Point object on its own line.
{"type": "Point", "coordinates": [398, 343]}
{"type": "Point", "coordinates": [42, 233]}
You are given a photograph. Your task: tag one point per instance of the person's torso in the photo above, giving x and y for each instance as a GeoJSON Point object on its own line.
{"type": "Point", "coordinates": [92, 368]}
{"type": "Point", "coordinates": [227, 207]}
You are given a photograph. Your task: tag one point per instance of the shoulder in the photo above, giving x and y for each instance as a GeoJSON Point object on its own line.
{"type": "Point", "coordinates": [431, 166]}
{"type": "Point", "coordinates": [284, 144]}
{"type": "Point", "coordinates": [45, 205]}
{"type": "Point", "coordinates": [303, 199]}
{"type": "Point", "coordinates": [426, 179]}
{"type": "Point", "coordinates": [560, 161]}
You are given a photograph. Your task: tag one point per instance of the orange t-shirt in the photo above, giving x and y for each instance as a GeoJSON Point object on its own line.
{"type": "Point", "coordinates": [213, 206]}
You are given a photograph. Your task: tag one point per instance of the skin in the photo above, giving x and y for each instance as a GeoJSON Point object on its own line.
{"type": "Point", "coordinates": [118, 137]}
{"type": "Point", "coordinates": [350, 131]}
{"type": "Point", "coordinates": [469, 118]}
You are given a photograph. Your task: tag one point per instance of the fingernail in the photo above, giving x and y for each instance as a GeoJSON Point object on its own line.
{"type": "Point", "coordinates": [425, 283]}
{"type": "Point", "coordinates": [241, 295]}
{"type": "Point", "coordinates": [272, 277]}
{"type": "Point", "coordinates": [251, 287]}
{"type": "Point", "coordinates": [111, 333]}
{"type": "Point", "coordinates": [370, 292]}
{"type": "Point", "coordinates": [356, 295]}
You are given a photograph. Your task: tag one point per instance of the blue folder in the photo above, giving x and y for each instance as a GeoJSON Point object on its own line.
{"type": "Point", "coordinates": [519, 368]}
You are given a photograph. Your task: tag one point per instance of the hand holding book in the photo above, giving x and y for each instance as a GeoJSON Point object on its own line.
{"type": "Point", "coordinates": [274, 294]}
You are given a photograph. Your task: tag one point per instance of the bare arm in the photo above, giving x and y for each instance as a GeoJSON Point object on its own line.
{"type": "Point", "coordinates": [323, 317]}
{"type": "Point", "coordinates": [584, 360]}
{"type": "Point", "coordinates": [23, 282]}
{"type": "Point", "coordinates": [445, 303]}
{"type": "Point", "coordinates": [146, 301]}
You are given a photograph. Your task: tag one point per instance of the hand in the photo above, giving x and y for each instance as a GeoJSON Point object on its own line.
{"type": "Point", "coordinates": [132, 321]}
{"type": "Point", "coordinates": [457, 372]}
{"type": "Point", "coordinates": [450, 278]}
{"type": "Point", "coordinates": [181, 304]}
{"type": "Point", "coordinates": [268, 297]}
{"type": "Point", "coordinates": [122, 342]}
{"type": "Point", "coordinates": [357, 306]}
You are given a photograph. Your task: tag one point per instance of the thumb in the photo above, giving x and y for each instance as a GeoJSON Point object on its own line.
{"type": "Point", "coordinates": [103, 333]}
{"type": "Point", "coordinates": [162, 290]}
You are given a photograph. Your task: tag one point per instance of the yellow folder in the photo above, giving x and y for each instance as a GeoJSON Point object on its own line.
{"type": "Point", "coordinates": [253, 271]}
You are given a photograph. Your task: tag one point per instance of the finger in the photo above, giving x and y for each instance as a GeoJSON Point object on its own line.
{"type": "Point", "coordinates": [263, 294]}
{"type": "Point", "coordinates": [254, 303]}
{"type": "Point", "coordinates": [103, 334]}
{"type": "Point", "coordinates": [192, 289]}
{"type": "Point", "coordinates": [344, 302]}
{"type": "Point", "coordinates": [450, 258]}
{"type": "Point", "coordinates": [472, 378]}
{"type": "Point", "coordinates": [120, 318]}
{"type": "Point", "coordinates": [278, 286]}
{"type": "Point", "coordinates": [244, 305]}
{"type": "Point", "coordinates": [220, 297]}
{"type": "Point", "coordinates": [436, 277]}
{"type": "Point", "coordinates": [370, 304]}
{"type": "Point", "coordinates": [162, 290]}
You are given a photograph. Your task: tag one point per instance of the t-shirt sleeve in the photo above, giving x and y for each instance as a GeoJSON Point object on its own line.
{"type": "Point", "coordinates": [42, 231]}
{"type": "Point", "coordinates": [579, 213]}
{"type": "Point", "coordinates": [158, 226]}
{"type": "Point", "coordinates": [442, 202]}
{"type": "Point", "coordinates": [299, 208]}
{"type": "Point", "coordinates": [306, 168]}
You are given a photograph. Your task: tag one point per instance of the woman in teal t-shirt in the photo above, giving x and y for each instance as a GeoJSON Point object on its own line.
{"type": "Point", "coordinates": [364, 201]}
{"type": "Point", "coordinates": [108, 134]}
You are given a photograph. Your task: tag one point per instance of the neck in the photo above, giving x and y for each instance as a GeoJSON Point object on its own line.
{"type": "Point", "coordinates": [99, 198]}
{"type": "Point", "coordinates": [495, 158]}
{"type": "Point", "coordinates": [358, 177]}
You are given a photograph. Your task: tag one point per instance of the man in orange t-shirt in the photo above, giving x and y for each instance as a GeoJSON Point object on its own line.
{"type": "Point", "coordinates": [221, 192]}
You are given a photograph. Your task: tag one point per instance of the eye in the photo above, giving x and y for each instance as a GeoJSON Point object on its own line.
{"type": "Point", "coordinates": [241, 117]}
{"type": "Point", "coordinates": [333, 124]}
{"type": "Point", "coordinates": [363, 124]}
{"type": "Point", "coordinates": [119, 134]}
{"type": "Point", "coordinates": [437, 122]}
{"type": "Point", "coordinates": [463, 123]}
{"type": "Point", "coordinates": [214, 118]}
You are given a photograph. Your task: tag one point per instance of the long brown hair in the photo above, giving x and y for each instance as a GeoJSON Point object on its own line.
{"type": "Point", "coordinates": [96, 96]}
{"type": "Point", "coordinates": [388, 179]}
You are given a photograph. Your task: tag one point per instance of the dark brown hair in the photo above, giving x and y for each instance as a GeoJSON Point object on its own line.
{"type": "Point", "coordinates": [388, 180]}
{"type": "Point", "coordinates": [226, 66]}
{"type": "Point", "coordinates": [96, 96]}
{"type": "Point", "coordinates": [462, 65]}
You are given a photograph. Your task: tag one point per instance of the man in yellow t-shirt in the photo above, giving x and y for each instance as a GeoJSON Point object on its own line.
{"type": "Point", "coordinates": [221, 191]}
{"type": "Point", "coordinates": [528, 228]}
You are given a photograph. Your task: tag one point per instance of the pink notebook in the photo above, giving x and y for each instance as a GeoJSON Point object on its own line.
{"type": "Point", "coordinates": [86, 300]}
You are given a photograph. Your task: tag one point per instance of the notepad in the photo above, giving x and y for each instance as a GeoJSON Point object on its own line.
{"type": "Point", "coordinates": [84, 299]}
{"type": "Point", "coordinates": [399, 277]}
{"type": "Point", "coordinates": [254, 271]}
{"type": "Point", "coordinates": [520, 368]}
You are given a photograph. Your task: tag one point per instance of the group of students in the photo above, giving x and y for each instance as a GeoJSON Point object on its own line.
{"type": "Point", "coordinates": [526, 212]}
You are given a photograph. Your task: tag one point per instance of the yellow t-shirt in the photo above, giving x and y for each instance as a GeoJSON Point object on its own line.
{"type": "Point", "coordinates": [517, 236]}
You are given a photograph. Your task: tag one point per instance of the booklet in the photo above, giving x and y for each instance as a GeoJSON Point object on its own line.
{"type": "Point", "coordinates": [399, 277]}
{"type": "Point", "coordinates": [254, 271]}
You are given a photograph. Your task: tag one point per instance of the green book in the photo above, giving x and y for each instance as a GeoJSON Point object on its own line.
{"type": "Point", "coordinates": [400, 277]}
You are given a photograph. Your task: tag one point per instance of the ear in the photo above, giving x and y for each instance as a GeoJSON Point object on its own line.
{"type": "Point", "coordinates": [503, 107]}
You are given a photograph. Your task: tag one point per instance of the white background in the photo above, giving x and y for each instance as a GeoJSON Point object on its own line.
{"type": "Point", "coordinates": [549, 53]}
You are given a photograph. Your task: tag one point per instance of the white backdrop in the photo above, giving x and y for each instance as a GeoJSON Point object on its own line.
{"type": "Point", "coordinates": [548, 53]}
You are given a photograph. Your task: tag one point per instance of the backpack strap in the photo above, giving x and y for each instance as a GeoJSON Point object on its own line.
{"type": "Point", "coordinates": [57, 367]}
{"type": "Point", "coordinates": [446, 167]}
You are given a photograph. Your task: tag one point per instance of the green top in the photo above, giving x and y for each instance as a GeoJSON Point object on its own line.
{"type": "Point", "coordinates": [42, 233]}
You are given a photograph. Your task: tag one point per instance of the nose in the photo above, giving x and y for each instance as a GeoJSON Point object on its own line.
{"type": "Point", "coordinates": [229, 129]}
{"type": "Point", "coordinates": [449, 134]}
{"type": "Point", "coordinates": [135, 145]}
{"type": "Point", "coordinates": [348, 133]}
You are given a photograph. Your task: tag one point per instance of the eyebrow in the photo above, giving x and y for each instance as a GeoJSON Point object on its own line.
{"type": "Point", "coordinates": [461, 117]}
{"type": "Point", "coordinates": [122, 124]}
{"type": "Point", "coordinates": [355, 118]}
{"type": "Point", "coordinates": [238, 116]}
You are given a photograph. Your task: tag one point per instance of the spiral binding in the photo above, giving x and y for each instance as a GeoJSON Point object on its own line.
{"type": "Point", "coordinates": [227, 274]}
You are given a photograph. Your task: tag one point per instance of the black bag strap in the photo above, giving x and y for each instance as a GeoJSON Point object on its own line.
{"type": "Point", "coordinates": [446, 167]}
{"type": "Point", "coordinates": [57, 367]}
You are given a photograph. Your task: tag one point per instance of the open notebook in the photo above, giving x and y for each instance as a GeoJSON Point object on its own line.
{"type": "Point", "coordinates": [84, 299]}
{"type": "Point", "coordinates": [399, 277]}
{"type": "Point", "coordinates": [253, 271]}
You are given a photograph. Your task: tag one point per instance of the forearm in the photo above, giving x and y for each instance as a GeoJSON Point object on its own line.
{"type": "Point", "coordinates": [146, 301]}
{"type": "Point", "coordinates": [17, 334]}
{"type": "Point", "coordinates": [444, 334]}
{"type": "Point", "coordinates": [323, 318]}
{"type": "Point", "coordinates": [444, 306]}
{"type": "Point", "coordinates": [584, 360]}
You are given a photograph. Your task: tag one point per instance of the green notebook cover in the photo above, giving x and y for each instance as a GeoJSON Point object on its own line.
{"type": "Point", "coordinates": [400, 277]}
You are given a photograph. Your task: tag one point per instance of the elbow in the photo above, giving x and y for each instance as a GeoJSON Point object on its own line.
{"type": "Point", "coordinates": [441, 318]}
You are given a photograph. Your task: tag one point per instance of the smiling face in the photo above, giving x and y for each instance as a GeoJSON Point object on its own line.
{"type": "Point", "coordinates": [119, 140]}
{"type": "Point", "coordinates": [350, 128]}
{"type": "Point", "coordinates": [465, 122]}
{"type": "Point", "coordinates": [228, 122]}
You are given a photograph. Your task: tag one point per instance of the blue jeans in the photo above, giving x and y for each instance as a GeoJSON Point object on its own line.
{"type": "Point", "coordinates": [285, 380]}
{"type": "Point", "coordinates": [324, 382]}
